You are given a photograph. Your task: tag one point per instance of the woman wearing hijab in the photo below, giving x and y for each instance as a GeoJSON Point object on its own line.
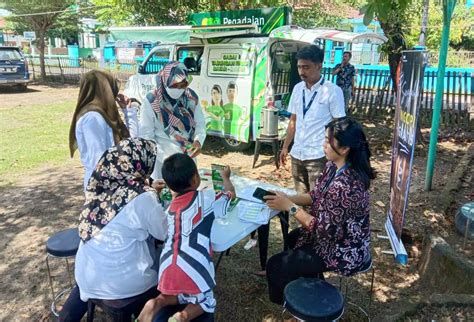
{"type": "Point", "coordinates": [97, 123]}
{"type": "Point", "coordinates": [171, 116]}
{"type": "Point", "coordinates": [115, 259]}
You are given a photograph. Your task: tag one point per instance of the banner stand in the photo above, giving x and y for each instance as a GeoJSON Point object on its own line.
{"type": "Point", "coordinates": [410, 75]}
{"type": "Point", "coordinates": [399, 250]}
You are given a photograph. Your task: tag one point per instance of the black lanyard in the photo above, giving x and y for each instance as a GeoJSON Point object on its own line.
{"type": "Point", "coordinates": [333, 176]}
{"type": "Point", "coordinates": [306, 107]}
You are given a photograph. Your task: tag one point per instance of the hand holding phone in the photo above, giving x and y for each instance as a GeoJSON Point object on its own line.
{"type": "Point", "coordinates": [260, 193]}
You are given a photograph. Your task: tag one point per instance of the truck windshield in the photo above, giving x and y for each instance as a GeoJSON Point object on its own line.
{"type": "Point", "coordinates": [191, 57]}
{"type": "Point", "coordinates": [157, 61]}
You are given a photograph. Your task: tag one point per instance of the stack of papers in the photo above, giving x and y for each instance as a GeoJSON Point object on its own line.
{"type": "Point", "coordinates": [257, 213]}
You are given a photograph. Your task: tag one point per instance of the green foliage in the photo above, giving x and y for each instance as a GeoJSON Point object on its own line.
{"type": "Point", "coordinates": [175, 12]}
{"type": "Point", "coordinates": [167, 12]}
{"type": "Point", "coordinates": [111, 13]}
{"type": "Point", "coordinates": [53, 23]}
{"type": "Point", "coordinates": [318, 16]}
{"type": "Point", "coordinates": [45, 17]}
{"type": "Point", "coordinates": [461, 30]}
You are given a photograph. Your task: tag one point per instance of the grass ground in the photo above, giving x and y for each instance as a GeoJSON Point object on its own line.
{"type": "Point", "coordinates": [34, 136]}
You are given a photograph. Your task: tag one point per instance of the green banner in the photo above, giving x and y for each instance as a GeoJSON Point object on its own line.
{"type": "Point", "coordinates": [266, 19]}
{"type": "Point", "coordinates": [2, 40]}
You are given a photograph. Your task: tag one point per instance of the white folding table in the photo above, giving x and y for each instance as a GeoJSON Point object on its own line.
{"type": "Point", "coordinates": [229, 231]}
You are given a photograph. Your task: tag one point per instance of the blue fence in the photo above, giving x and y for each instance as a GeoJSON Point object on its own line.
{"type": "Point", "coordinates": [373, 94]}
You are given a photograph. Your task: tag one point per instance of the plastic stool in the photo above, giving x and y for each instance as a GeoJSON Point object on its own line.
{"type": "Point", "coordinates": [463, 220]}
{"type": "Point", "coordinates": [274, 141]}
{"type": "Point", "coordinates": [63, 245]}
{"type": "Point", "coordinates": [311, 299]}
{"type": "Point", "coordinates": [366, 267]}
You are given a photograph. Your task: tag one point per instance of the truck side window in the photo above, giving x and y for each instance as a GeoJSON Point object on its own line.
{"type": "Point", "coordinates": [156, 62]}
{"type": "Point", "coordinates": [191, 58]}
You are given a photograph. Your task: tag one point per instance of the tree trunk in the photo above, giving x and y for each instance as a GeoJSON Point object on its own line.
{"type": "Point", "coordinates": [424, 23]}
{"type": "Point", "coordinates": [41, 46]}
{"type": "Point", "coordinates": [396, 43]}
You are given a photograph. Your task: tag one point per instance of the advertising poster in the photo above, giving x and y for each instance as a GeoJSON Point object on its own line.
{"type": "Point", "coordinates": [226, 101]}
{"type": "Point", "coordinates": [126, 55]}
{"type": "Point", "coordinates": [410, 75]}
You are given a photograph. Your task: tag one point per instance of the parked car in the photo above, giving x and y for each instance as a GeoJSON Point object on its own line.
{"type": "Point", "coordinates": [13, 67]}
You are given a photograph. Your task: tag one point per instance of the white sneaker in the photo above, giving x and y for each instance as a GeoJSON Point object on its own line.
{"type": "Point", "coordinates": [250, 244]}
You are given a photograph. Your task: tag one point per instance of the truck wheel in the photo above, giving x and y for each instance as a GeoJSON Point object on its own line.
{"type": "Point", "coordinates": [234, 145]}
{"type": "Point", "coordinates": [22, 87]}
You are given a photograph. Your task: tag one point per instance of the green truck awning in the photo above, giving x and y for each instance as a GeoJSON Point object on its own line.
{"type": "Point", "coordinates": [162, 34]}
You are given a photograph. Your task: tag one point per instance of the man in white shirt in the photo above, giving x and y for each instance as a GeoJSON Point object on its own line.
{"type": "Point", "coordinates": [315, 101]}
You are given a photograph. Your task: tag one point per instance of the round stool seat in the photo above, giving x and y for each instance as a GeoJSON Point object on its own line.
{"type": "Point", "coordinates": [465, 220]}
{"type": "Point", "coordinates": [312, 299]}
{"type": "Point", "coordinates": [64, 243]}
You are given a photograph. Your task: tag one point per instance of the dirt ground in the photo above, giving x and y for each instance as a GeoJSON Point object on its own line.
{"type": "Point", "coordinates": [36, 204]}
{"type": "Point", "coordinates": [36, 95]}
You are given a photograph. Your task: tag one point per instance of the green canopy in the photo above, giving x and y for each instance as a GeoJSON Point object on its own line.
{"type": "Point", "coordinates": [162, 34]}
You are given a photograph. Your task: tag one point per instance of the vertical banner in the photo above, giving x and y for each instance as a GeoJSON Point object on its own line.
{"type": "Point", "coordinates": [410, 84]}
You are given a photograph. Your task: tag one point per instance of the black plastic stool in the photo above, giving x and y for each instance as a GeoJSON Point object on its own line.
{"type": "Point", "coordinates": [63, 245]}
{"type": "Point", "coordinates": [311, 299]}
{"type": "Point", "coordinates": [364, 268]}
{"type": "Point", "coordinates": [274, 141]}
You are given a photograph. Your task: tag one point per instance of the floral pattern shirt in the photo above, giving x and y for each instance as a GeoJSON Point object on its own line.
{"type": "Point", "coordinates": [345, 76]}
{"type": "Point", "coordinates": [340, 230]}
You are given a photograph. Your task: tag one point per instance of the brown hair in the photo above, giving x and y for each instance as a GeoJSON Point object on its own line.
{"type": "Point", "coordinates": [97, 92]}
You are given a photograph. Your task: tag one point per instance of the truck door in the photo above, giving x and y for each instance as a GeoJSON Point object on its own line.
{"type": "Point", "coordinates": [226, 90]}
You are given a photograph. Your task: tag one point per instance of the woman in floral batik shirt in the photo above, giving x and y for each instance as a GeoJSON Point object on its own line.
{"type": "Point", "coordinates": [121, 213]}
{"type": "Point", "coordinates": [335, 234]}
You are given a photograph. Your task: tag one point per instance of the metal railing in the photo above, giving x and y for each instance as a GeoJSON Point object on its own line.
{"type": "Point", "coordinates": [373, 96]}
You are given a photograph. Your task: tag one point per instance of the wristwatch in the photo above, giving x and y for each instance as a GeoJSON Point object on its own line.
{"type": "Point", "coordinates": [293, 209]}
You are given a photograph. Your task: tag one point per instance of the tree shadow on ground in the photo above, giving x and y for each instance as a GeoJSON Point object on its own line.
{"type": "Point", "coordinates": [32, 211]}
{"type": "Point", "coordinates": [14, 90]}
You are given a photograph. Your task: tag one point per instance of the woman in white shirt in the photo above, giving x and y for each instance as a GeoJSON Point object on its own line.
{"type": "Point", "coordinates": [97, 124]}
{"type": "Point", "coordinates": [172, 117]}
{"type": "Point", "coordinates": [116, 255]}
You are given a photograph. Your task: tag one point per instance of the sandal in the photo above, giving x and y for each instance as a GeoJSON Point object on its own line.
{"type": "Point", "coordinates": [260, 273]}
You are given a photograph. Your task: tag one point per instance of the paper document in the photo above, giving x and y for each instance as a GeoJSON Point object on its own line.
{"type": "Point", "coordinates": [253, 212]}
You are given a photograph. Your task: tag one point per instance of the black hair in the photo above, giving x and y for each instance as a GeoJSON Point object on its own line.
{"type": "Point", "coordinates": [312, 53]}
{"type": "Point", "coordinates": [349, 133]}
{"type": "Point", "coordinates": [178, 171]}
{"type": "Point", "coordinates": [349, 53]}
{"type": "Point", "coordinates": [219, 89]}
{"type": "Point", "coordinates": [232, 84]}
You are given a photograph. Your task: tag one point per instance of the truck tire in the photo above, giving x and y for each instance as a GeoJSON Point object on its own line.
{"type": "Point", "coordinates": [22, 87]}
{"type": "Point", "coordinates": [234, 145]}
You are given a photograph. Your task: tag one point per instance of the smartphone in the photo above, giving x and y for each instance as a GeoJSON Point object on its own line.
{"type": "Point", "coordinates": [259, 193]}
